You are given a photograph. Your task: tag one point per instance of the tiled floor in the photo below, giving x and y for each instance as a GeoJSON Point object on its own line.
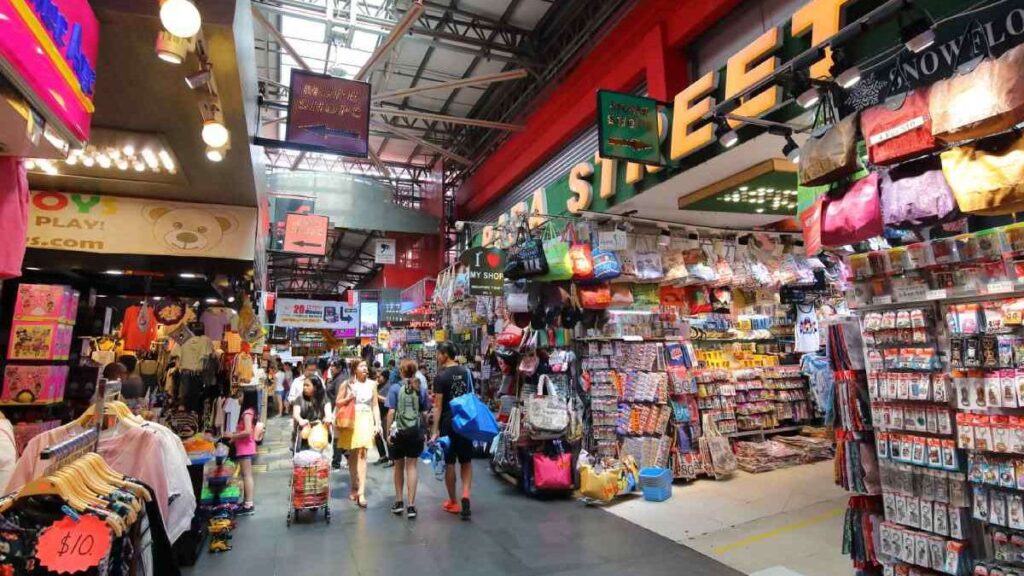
{"type": "Point", "coordinates": [509, 534]}
{"type": "Point", "coordinates": [783, 523]}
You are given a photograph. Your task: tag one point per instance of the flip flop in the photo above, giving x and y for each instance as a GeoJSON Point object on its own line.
{"type": "Point", "coordinates": [361, 502]}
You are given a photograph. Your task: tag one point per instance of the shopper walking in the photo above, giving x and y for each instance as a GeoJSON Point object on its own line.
{"type": "Point", "coordinates": [307, 410]}
{"type": "Point", "coordinates": [280, 391]}
{"type": "Point", "coordinates": [244, 441]}
{"type": "Point", "coordinates": [451, 382]}
{"type": "Point", "coordinates": [408, 403]}
{"type": "Point", "coordinates": [335, 383]}
{"type": "Point", "coordinates": [382, 406]}
{"type": "Point", "coordinates": [366, 426]}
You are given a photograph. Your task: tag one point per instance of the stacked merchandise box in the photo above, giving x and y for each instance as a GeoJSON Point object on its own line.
{"type": "Point", "coordinates": [44, 319]}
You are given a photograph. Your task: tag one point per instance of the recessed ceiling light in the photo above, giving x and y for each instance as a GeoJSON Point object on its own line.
{"type": "Point", "coordinates": [32, 268]}
{"type": "Point", "coordinates": [759, 210]}
{"type": "Point", "coordinates": [115, 272]}
{"type": "Point", "coordinates": [188, 275]}
{"type": "Point", "coordinates": [211, 300]}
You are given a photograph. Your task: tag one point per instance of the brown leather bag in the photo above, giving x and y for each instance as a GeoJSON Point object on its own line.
{"type": "Point", "coordinates": [831, 156]}
{"type": "Point", "coordinates": [988, 100]}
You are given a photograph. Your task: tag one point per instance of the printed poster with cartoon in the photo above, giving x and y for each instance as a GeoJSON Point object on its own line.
{"type": "Point", "coordinates": [113, 225]}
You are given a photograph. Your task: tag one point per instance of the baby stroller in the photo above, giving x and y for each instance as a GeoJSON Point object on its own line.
{"type": "Point", "coordinates": [310, 482]}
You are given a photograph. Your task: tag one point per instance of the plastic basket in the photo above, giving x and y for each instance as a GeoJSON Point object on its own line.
{"type": "Point", "coordinates": [655, 477]}
{"type": "Point", "coordinates": [657, 494]}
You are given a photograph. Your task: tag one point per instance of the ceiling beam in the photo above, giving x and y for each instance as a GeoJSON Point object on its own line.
{"type": "Point", "coordinates": [399, 30]}
{"type": "Point", "coordinates": [471, 81]}
{"type": "Point", "coordinates": [279, 37]}
{"type": "Point", "coordinates": [413, 138]}
{"type": "Point", "coordinates": [446, 118]}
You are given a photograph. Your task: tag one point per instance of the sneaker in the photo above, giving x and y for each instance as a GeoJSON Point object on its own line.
{"type": "Point", "coordinates": [450, 506]}
{"type": "Point", "coordinates": [246, 510]}
{"type": "Point", "coordinates": [397, 507]}
{"type": "Point", "coordinates": [389, 464]}
{"type": "Point", "coordinates": [410, 512]}
{"type": "Point", "coordinates": [465, 513]}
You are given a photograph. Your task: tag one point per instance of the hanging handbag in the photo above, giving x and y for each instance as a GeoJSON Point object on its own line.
{"type": "Point", "coordinates": [580, 256]}
{"type": "Point", "coordinates": [832, 155]}
{"type": "Point", "coordinates": [985, 101]}
{"type": "Point", "coordinates": [552, 472]}
{"type": "Point", "coordinates": [517, 299]}
{"type": "Point", "coordinates": [854, 217]}
{"type": "Point", "coordinates": [987, 177]}
{"type": "Point", "coordinates": [595, 297]}
{"type": "Point", "coordinates": [556, 252]}
{"type": "Point", "coordinates": [526, 256]}
{"type": "Point", "coordinates": [344, 413]}
{"type": "Point", "coordinates": [606, 265]}
{"type": "Point", "coordinates": [621, 295]}
{"type": "Point", "coordinates": [916, 194]}
{"type": "Point", "coordinates": [511, 336]}
{"type": "Point", "coordinates": [547, 415]}
{"type": "Point", "coordinates": [899, 128]}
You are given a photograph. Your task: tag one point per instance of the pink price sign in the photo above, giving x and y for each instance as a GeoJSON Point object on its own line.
{"type": "Point", "coordinates": [50, 47]}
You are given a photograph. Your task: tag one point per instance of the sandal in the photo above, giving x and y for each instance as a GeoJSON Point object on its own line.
{"type": "Point", "coordinates": [361, 502]}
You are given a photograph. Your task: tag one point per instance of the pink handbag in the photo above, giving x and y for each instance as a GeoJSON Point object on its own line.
{"type": "Point", "coordinates": [552, 473]}
{"type": "Point", "coordinates": [854, 217]}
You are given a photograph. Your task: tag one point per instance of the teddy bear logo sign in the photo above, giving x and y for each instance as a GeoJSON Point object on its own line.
{"type": "Point", "coordinates": [192, 230]}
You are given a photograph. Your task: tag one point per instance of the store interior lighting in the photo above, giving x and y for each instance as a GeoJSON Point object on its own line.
{"type": "Point", "coordinates": [808, 98]}
{"type": "Point", "coordinates": [791, 150]}
{"type": "Point", "coordinates": [214, 154]}
{"type": "Point", "coordinates": [664, 238]}
{"type": "Point", "coordinates": [849, 78]}
{"type": "Point", "coordinates": [107, 151]}
{"type": "Point", "coordinates": [215, 134]}
{"type": "Point", "coordinates": [180, 17]}
{"type": "Point", "coordinates": [727, 137]}
{"type": "Point", "coordinates": [199, 79]}
{"type": "Point", "coordinates": [170, 48]}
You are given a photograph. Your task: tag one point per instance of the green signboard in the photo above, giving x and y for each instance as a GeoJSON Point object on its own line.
{"type": "Point", "coordinates": [627, 127]}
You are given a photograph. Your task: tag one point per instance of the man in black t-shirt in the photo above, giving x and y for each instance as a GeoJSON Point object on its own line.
{"type": "Point", "coordinates": [451, 382]}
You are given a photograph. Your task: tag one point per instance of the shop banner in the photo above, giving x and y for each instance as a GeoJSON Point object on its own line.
{"type": "Point", "coordinates": [627, 127]}
{"type": "Point", "coordinates": [329, 113]}
{"type": "Point", "coordinates": [486, 270]}
{"type": "Point", "coordinates": [339, 316]}
{"type": "Point", "coordinates": [48, 48]}
{"type": "Point", "coordinates": [113, 225]}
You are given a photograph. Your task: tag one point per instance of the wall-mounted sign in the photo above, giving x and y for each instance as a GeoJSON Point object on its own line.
{"type": "Point", "coordinates": [114, 225]}
{"type": "Point", "coordinates": [627, 127]}
{"type": "Point", "coordinates": [306, 234]}
{"type": "Point", "coordinates": [384, 251]}
{"type": "Point", "coordinates": [48, 49]}
{"type": "Point", "coordinates": [280, 208]}
{"type": "Point", "coordinates": [486, 270]}
{"type": "Point", "coordinates": [328, 113]}
{"type": "Point", "coordinates": [293, 313]}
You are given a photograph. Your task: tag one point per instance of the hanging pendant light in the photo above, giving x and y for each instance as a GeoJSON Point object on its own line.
{"type": "Point", "coordinates": [180, 17]}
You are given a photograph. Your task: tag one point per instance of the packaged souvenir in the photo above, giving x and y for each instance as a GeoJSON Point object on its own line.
{"type": "Point", "coordinates": [993, 390]}
{"type": "Point", "coordinates": [940, 518]}
{"type": "Point", "coordinates": [949, 457]}
{"type": "Point", "coordinates": [1007, 379]}
{"type": "Point", "coordinates": [989, 352]}
{"type": "Point", "coordinates": [919, 255]}
{"type": "Point", "coordinates": [944, 251]}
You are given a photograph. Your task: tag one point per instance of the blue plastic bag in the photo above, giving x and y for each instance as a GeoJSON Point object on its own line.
{"type": "Point", "coordinates": [472, 419]}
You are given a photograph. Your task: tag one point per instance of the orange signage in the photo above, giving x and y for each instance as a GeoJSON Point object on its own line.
{"type": "Point", "coordinates": [306, 234]}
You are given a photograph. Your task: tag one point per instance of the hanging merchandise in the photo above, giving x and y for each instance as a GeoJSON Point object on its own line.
{"type": "Point", "coordinates": [580, 256]}
{"type": "Point", "coordinates": [547, 415]}
{"type": "Point", "coordinates": [718, 456]}
{"type": "Point", "coordinates": [830, 154]}
{"type": "Point", "coordinates": [987, 177]}
{"type": "Point", "coordinates": [14, 208]}
{"type": "Point", "coordinates": [595, 297]}
{"type": "Point", "coordinates": [646, 259]}
{"type": "Point", "coordinates": [553, 471]}
{"type": "Point", "coordinates": [916, 194]}
{"type": "Point", "coordinates": [855, 216]}
{"type": "Point", "coordinates": [987, 100]}
{"type": "Point", "coordinates": [525, 258]}
{"type": "Point", "coordinates": [899, 128]}
{"type": "Point", "coordinates": [807, 338]}
{"type": "Point", "coordinates": [556, 253]}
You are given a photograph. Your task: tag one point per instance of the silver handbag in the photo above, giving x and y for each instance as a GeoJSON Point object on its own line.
{"type": "Point", "coordinates": [547, 415]}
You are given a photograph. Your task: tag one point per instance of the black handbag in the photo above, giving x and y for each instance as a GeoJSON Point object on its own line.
{"type": "Point", "coordinates": [526, 257]}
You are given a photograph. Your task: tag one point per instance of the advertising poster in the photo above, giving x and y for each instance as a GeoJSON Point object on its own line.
{"type": "Point", "coordinates": [369, 319]}
{"type": "Point", "coordinates": [338, 316]}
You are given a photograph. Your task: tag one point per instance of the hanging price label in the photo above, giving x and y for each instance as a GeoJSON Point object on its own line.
{"type": "Point", "coordinates": [887, 299]}
{"type": "Point", "coordinates": [67, 546]}
{"type": "Point", "coordinates": [1000, 287]}
{"type": "Point", "coordinates": [937, 294]}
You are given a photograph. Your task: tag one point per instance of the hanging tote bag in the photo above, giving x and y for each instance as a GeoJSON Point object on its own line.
{"type": "Point", "coordinates": [472, 419]}
{"type": "Point", "coordinates": [595, 296]}
{"type": "Point", "coordinates": [830, 154]}
{"type": "Point", "coordinates": [987, 177]}
{"type": "Point", "coordinates": [988, 100]}
{"type": "Point", "coordinates": [547, 415]}
{"type": "Point", "coordinates": [556, 252]}
{"type": "Point", "coordinates": [580, 256]}
{"type": "Point", "coordinates": [621, 295]}
{"type": "Point", "coordinates": [647, 259]}
{"type": "Point", "coordinates": [606, 265]}
{"type": "Point", "coordinates": [552, 472]}
{"type": "Point", "coordinates": [899, 128]}
{"type": "Point", "coordinates": [916, 194]}
{"type": "Point", "coordinates": [525, 258]}
{"type": "Point", "coordinates": [344, 413]}
{"type": "Point", "coordinates": [854, 217]}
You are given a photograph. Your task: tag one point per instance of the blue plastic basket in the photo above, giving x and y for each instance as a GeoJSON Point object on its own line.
{"type": "Point", "coordinates": [652, 494]}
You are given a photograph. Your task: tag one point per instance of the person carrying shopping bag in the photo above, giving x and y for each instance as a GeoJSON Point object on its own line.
{"type": "Point", "coordinates": [358, 418]}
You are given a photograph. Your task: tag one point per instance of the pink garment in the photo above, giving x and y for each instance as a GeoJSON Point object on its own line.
{"type": "Point", "coordinates": [246, 446]}
{"type": "Point", "coordinates": [132, 451]}
{"type": "Point", "coordinates": [13, 214]}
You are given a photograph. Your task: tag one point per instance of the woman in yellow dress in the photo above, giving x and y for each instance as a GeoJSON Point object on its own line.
{"type": "Point", "coordinates": [363, 391]}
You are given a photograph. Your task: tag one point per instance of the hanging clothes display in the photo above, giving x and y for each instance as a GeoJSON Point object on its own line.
{"type": "Point", "coordinates": [218, 319]}
{"type": "Point", "coordinates": [139, 328]}
{"type": "Point", "coordinates": [14, 214]}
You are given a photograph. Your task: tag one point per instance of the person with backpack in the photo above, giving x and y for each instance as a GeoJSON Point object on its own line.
{"type": "Point", "coordinates": [408, 402]}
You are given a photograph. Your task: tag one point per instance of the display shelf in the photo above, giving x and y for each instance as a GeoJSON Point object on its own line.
{"type": "Point", "coordinates": [781, 430]}
{"type": "Point", "coordinates": [993, 290]}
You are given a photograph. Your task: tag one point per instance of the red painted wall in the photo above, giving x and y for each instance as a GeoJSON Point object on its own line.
{"type": "Point", "coordinates": [648, 43]}
{"type": "Point", "coordinates": [401, 276]}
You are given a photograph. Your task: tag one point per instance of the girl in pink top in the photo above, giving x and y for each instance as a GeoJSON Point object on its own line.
{"type": "Point", "coordinates": [244, 440]}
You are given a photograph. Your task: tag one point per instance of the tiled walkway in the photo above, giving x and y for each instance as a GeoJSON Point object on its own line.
{"type": "Point", "coordinates": [509, 534]}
